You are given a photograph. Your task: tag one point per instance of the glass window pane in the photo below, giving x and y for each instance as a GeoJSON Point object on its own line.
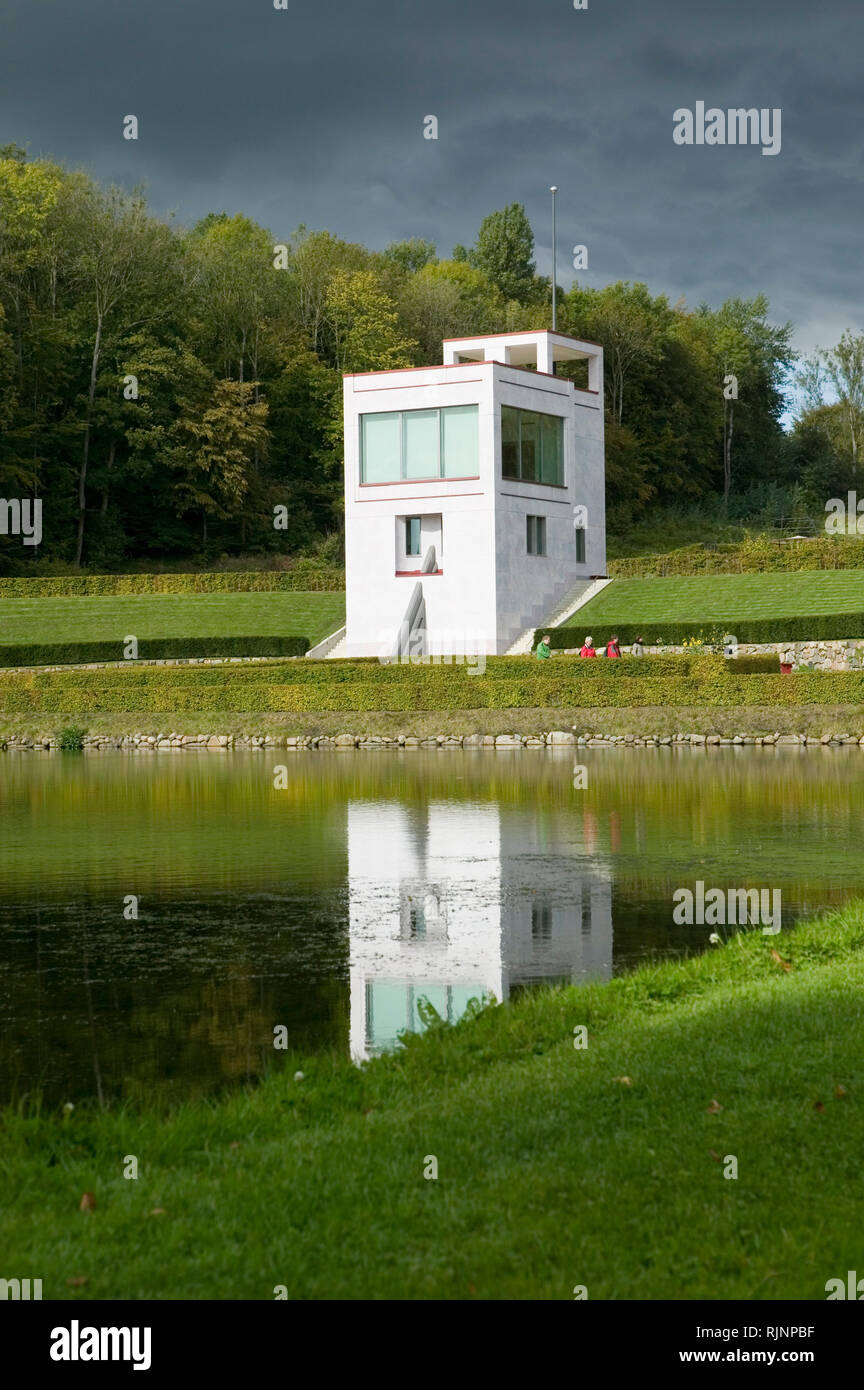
{"type": "Point", "coordinates": [580, 546]}
{"type": "Point", "coordinates": [421, 443]}
{"type": "Point", "coordinates": [509, 442]}
{"type": "Point", "coordinates": [412, 535]}
{"type": "Point", "coordinates": [552, 440]}
{"type": "Point", "coordinates": [530, 446]}
{"type": "Point", "coordinates": [460, 439]}
{"type": "Point", "coordinates": [388, 1011]}
{"type": "Point", "coordinates": [382, 448]}
{"type": "Point", "coordinates": [529, 534]}
{"type": "Point", "coordinates": [541, 535]}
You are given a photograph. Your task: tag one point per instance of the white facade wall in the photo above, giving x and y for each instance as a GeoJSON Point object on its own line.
{"type": "Point", "coordinates": [489, 588]}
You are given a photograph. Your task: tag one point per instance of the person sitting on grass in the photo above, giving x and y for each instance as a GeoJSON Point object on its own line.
{"type": "Point", "coordinates": [588, 649]}
{"type": "Point", "coordinates": [613, 651]}
{"type": "Point", "coordinates": [544, 650]}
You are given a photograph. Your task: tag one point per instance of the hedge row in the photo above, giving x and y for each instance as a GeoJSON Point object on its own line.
{"type": "Point", "coordinates": [818, 688]}
{"type": "Point", "coordinates": [758, 556]}
{"type": "Point", "coordinates": [233, 582]}
{"type": "Point", "coordinates": [325, 673]}
{"type": "Point", "coordinates": [149, 649]}
{"type": "Point", "coordinates": [818, 627]}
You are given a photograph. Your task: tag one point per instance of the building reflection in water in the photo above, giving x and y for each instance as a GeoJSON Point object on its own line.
{"type": "Point", "coordinates": [450, 902]}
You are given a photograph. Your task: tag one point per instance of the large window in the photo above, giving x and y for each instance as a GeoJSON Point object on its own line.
{"type": "Point", "coordinates": [532, 446]}
{"type": "Point", "coordinates": [405, 445]}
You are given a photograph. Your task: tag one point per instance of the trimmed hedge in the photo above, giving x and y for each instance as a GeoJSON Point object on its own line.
{"type": "Point", "coordinates": [149, 649]}
{"type": "Point", "coordinates": [326, 674]}
{"type": "Point", "coordinates": [817, 627]}
{"type": "Point", "coordinates": [761, 555]}
{"type": "Point", "coordinates": [767, 664]}
{"type": "Point", "coordinates": [435, 689]}
{"type": "Point", "coordinates": [232, 582]}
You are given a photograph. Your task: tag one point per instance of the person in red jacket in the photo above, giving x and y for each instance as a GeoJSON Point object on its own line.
{"type": "Point", "coordinates": [588, 649]}
{"type": "Point", "coordinates": [612, 648]}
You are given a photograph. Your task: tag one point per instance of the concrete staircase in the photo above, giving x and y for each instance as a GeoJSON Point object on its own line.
{"type": "Point", "coordinates": [578, 596]}
{"type": "Point", "coordinates": [332, 646]}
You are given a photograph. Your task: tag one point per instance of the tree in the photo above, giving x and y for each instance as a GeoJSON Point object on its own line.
{"type": "Point", "coordinates": [504, 251]}
{"type": "Point", "coordinates": [844, 366]}
{"type": "Point", "coordinates": [212, 445]}
{"type": "Point", "coordinates": [757, 354]}
{"type": "Point", "coordinates": [119, 272]}
{"type": "Point", "coordinates": [411, 256]}
{"type": "Point", "coordinates": [449, 299]}
{"type": "Point", "coordinates": [364, 324]}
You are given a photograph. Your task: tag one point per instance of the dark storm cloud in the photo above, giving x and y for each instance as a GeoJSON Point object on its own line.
{"type": "Point", "coordinates": [315, 115]}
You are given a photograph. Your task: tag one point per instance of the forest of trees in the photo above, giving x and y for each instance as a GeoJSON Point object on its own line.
{"type": "Point", "coordinates": [164, 388]}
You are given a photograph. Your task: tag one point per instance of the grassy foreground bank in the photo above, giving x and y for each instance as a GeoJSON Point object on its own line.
{"type": "Point", "coordinates": [557, 1167]}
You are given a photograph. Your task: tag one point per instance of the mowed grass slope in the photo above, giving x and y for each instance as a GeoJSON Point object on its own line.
{"type": "Point", "coordinates": [724, 598]}
{"type": "Point", "coordinates": [557, 1166]}
{"type": "Point", "coordinates": [59, 620]}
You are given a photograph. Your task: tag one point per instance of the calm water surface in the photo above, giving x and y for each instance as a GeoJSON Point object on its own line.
{"type": "Point", "coordinates": [333, 905]}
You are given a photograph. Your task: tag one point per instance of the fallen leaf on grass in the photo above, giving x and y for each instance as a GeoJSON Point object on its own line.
{"type": "Point", "coordinates": [157, 1211]}
{"type": "Point", "coordinates": [78, 1282]}
{"type": "Point", "coordinates": [840, 1092]}
{"type": "Point", "coordinates": [716, 1157]}
{"type": "Point", "coordinates": [624, 1080]}
{"type": "Point", "coordinates": [235, 1144]}
{"type": "Point", "coordinates": [786, 964]}
{"type": "Point", "coordinates": [818, 1105]}
{"type": "Point", "coordinates": [88, 1202]}
{"type": "Point", "coordinates": [714, 1108]}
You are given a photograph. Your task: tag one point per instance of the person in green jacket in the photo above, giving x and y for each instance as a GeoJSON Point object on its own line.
{"type": "Point", "coordinates": [544, 651]}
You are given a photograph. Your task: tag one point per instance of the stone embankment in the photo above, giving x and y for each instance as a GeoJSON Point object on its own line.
{"type": "Point", "coordinates": [845, 655]}
{"type": "Point", "coordinates": [150, 743]}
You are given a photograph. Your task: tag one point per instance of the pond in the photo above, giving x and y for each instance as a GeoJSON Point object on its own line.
{"type": "Point", "coordinates": [161, 915]}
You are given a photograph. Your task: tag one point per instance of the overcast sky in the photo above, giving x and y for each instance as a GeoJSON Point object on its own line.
{"type": "Point", "coordinates": [315, 115]}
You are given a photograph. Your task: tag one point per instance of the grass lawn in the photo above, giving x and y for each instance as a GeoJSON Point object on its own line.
{"type": "Point", "coordinates": [46, 620]}
{"type": "Point", "coordinates": [724, 598]}
{"type": "Point", "coordinates": [557, 1167]}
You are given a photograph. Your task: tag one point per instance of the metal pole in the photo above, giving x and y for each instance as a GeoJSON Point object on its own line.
{"type": "Point", "coordinates": [553, 190]}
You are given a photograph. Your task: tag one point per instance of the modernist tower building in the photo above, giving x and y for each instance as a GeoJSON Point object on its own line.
{"type": "Point", "coordinates": [474, 493]}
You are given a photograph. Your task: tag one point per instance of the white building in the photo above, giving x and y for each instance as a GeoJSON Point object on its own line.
{"type": "Point", "coordinates": [428, 922]}
{"type": "Point", "coordinates": [474, 493]}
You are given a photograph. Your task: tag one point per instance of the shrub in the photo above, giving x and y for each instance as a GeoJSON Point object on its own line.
{"type": "Point", "coordinates": [756, 555]}
{"type": "Point", "coordinates": [762, 664]}
{"type": "Point", "coordinates": [709, 682]}
{"type": "Point", "coordinates": [149, 649]}
{"type": "Point", "coordinates": [302, 579]}
{"type": "Point", "coordinates": [818, 627]}
{"type": "Point", "coordinates": [71, 739]}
